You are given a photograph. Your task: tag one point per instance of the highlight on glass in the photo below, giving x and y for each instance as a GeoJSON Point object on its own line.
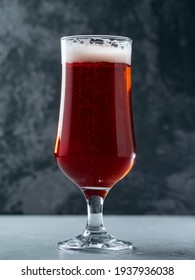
{"type": "Point", "coordinates": [95, 142]}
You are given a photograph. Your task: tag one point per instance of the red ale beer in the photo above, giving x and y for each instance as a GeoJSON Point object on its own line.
{"type": "Point", "coordinates": [95, 145]}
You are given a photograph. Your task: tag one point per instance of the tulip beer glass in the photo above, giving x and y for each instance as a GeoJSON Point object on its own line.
{"type": "Point", "coordinates": [95, 143]}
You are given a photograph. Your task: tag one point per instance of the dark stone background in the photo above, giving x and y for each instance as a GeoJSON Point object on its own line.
{"type": "Point", "coordinates": [163, 179]}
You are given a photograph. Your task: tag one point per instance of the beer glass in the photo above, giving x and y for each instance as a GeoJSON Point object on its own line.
{"type": "Point", "coordinates": [95, 143]}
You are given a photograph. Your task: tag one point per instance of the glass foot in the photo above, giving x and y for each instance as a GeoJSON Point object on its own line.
{"type": "Point", "coordinates": [88, 240]}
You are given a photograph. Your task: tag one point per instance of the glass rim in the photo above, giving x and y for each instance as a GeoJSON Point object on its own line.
{"type": "Point", "coordinates": [113, 37]}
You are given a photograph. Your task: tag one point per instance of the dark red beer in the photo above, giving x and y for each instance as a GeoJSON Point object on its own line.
{"type": "Point", "coordinates": [95, 145]}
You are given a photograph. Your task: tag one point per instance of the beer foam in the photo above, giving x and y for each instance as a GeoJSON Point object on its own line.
{"type": "Point", "coordinates": [95, 50]}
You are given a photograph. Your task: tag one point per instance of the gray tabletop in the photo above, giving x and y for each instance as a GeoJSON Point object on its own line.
{"type": "Point", "coordinates": [153, 237]}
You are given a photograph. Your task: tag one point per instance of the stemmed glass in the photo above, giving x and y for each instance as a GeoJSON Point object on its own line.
{"type": "Point", "coordinates": [95, 143]}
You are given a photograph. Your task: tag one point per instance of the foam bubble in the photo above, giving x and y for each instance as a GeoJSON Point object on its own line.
{"type": "Point", "coordinates": [95, 50]}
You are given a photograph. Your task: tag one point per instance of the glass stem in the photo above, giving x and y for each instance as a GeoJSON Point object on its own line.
{"type": "Point", "coordinates": [95, 215]}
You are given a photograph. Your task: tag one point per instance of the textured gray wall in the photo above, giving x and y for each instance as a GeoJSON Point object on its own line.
{"type": "Point", "coordinates": [163, 179]}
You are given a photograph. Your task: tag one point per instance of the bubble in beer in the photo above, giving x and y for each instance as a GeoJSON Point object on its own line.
{"type": "Point", "coordinates": [95, 49]}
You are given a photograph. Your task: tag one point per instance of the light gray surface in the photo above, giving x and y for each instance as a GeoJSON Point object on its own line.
{"type": "Point", "coordinates": [154, 237]}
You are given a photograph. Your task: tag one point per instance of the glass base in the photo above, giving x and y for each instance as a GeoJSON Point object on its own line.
{"type": "Point", "coordinates": [90, 241]}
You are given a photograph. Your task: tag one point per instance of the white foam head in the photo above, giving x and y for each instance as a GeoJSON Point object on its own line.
{"type": "Point", "coordinates": [95, 49]}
